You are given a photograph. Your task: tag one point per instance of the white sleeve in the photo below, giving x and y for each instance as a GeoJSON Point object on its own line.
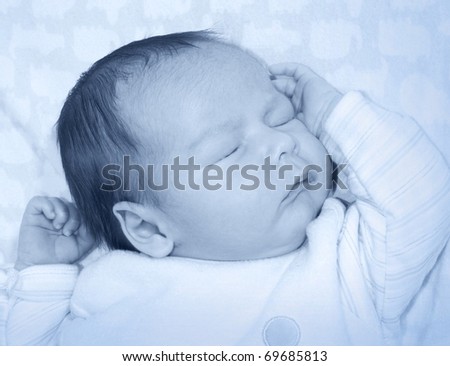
{"type": "Point", "coordinates": [34, 302]}
{"type": "Point", "coordinates": [402, 188]}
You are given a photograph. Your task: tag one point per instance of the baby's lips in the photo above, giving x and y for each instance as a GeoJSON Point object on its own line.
{"type": "Point", "coordinates": [292, 179]}
{"type": "Point", "coordinates": [302, 179]}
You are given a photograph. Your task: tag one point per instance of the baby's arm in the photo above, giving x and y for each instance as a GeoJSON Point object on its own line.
{"type": "Point", "coordinates": [52, 236]}
{"type": "Point", "coordinates": [401, 182]}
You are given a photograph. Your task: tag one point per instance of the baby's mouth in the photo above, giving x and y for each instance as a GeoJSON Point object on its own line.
{"type": "Point", "coordinates": [298, 182]}
{"type": "Point", "coordinates": [294, 189]}
{"type": "Point", "coordinates": [308, 180]}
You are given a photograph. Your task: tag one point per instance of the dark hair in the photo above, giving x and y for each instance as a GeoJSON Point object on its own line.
{"type": "Point", "coordinates": [91, 132]}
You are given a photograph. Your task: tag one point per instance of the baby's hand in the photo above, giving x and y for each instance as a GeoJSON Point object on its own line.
{"type": "Point", "coordinates": [313, 98]}
{"type": "Point", "coordinates": [51, 232]}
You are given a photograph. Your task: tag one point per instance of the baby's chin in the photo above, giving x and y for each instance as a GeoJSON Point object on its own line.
{"type": "Point", "coordinates": [297, 245]}
{"type": "Point", "coordinates": [291, 247]}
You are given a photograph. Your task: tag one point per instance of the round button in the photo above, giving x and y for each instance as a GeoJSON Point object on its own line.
{"type": "Point", "coordinates": [281, 331]}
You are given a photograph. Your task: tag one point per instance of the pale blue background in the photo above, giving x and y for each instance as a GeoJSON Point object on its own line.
{"type": "Point", "coordinates": [397, 51]}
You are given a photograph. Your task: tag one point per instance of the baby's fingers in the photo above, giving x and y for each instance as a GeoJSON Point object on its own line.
{"type": "Point", "coordinates": [291, 69]}
{"type": "Point", "coordinates": [288, 87]}
{"type": "Point", "coordinates": [285, 86]}
{"type": "Point", "coordinates": [62, 213]}
{"type": "Point", "coordinates": [70, 249]}
{"type": "Point", "coordinates": [41, 205]}
{"type": "Point", "coordinates": [73, 222]}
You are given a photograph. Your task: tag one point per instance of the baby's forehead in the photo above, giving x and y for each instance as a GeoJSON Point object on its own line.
{"type": "Point", "coordinates": [188, 83]}
{"type": "Point", "coordinates": [193, 68]}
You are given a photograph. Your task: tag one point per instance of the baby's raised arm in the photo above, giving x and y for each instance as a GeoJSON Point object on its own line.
{"type": "Point", "coordinates": [400, 180]}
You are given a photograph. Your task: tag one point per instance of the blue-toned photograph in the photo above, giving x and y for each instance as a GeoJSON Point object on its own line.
{"type": "Point", "coordinates": [225, 173]}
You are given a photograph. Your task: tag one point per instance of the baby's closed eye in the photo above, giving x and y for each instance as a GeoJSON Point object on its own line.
{"type": "Point", "coordinates": [231, 152]}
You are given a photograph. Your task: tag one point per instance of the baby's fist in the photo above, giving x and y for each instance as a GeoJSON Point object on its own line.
{"type": "Point", "coordinates": [313, 97]}
{"type": "Point", "coordinates": [51, 232]}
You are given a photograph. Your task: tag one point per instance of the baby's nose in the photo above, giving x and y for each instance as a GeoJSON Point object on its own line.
{"type": "Point", "coordinates": [284, 146]}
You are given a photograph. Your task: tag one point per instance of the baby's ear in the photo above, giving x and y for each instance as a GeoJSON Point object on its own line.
{"type": "Point", "coordinates": [140, 226]}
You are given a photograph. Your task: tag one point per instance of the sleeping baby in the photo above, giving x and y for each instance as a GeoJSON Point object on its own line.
{"type": "Point", "coordinates": [274, 211]}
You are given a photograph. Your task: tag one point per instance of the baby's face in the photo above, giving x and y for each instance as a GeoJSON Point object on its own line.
{"type": "Point", "coordinates": [232, 117]}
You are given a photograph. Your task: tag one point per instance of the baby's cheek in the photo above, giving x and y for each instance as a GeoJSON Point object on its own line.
{"type": "Point", "coordinates": [295, 128]}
